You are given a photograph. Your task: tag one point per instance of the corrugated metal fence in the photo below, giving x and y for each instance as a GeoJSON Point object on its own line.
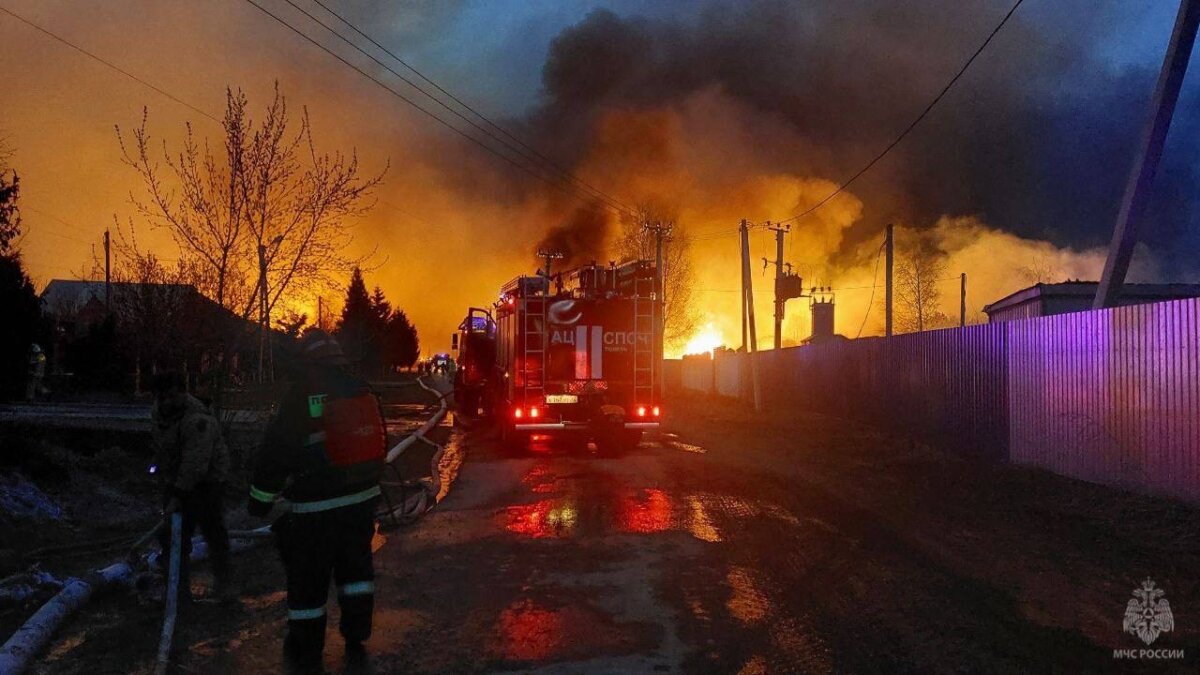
{"type": "Point", "coordinates": [1109, 396]}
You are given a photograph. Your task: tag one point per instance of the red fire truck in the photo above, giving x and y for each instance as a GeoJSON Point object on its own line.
{"type": "Point", "coordinates": [475, 344]}
{"type": "Point", "coordinates": [578, 354]}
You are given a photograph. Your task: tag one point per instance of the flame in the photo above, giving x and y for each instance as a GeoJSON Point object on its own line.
{"type": "Point", "coordinates": [705, 341]}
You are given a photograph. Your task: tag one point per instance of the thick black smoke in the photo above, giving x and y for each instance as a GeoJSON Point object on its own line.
{"type": "Point", "coordinates": [1037, 138]}
{"type": "Point", "coordinates": [582, 238]}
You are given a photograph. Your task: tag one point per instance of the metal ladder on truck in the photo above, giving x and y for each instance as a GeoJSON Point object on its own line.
{"type": "Point", "coordinates": [645, 324]}
{"type": "Point", "coordinates": [533, 363]}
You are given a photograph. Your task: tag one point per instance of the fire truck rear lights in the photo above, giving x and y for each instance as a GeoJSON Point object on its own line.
{"type": "Point", "coordinates": [656, 411]}
{"type": "Point", "coordinates": [518, 413]}
{"type": "Point", "coordinates": [641, 411]}
{"type": "Point", "coordinates": [534, 412]}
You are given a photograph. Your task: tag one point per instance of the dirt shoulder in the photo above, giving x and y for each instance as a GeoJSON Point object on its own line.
{"type": "Point", "coordinates": [1045, 554]}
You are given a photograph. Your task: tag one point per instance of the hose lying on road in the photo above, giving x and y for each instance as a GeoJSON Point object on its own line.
{"type": "Point", "coordinates": [35, 634]}
{"type": "Point", "coordinates": [412, 506]}
{"type": "Point", "coordinates": [432, 422]}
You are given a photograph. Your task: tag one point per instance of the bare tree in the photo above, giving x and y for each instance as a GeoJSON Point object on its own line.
{"type": "Point", "coordinates": [267, 198]}
{"type": "Point", "coordinates": [1040, 270]}
{"type": "Point", "coordinates": [636, 242]}
{"type": "Point", "coordinates": [919, 270]}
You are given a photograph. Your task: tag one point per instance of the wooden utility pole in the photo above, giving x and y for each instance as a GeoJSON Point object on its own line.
{"type": "Point", "coordinates": [779, 299]}
{"type": "Point", "coordinates": [962, 300]}
{"type": "Point", "coordinates": [1137, 190]}
{"type": "Point", "coordinates": [745, 255]}
{"type": "Point", "coordinates": [748, 295]}
{"type": "Point", "coordinates": [107, 270]}
{"type": "Point", "coordinates": [889, 255]}
{"type": "Point", "coordinates": [262, 311]}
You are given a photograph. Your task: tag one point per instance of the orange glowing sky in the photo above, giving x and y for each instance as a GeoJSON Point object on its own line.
{"type": "Point", "coordinates": [451, 224]}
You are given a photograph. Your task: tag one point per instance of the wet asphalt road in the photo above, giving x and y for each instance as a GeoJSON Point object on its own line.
{"type": "Point", "coordinates": [739, 544]}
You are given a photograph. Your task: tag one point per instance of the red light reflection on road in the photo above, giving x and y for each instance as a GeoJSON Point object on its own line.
{"type": "Point", "coordinates": [539, 479]}
{"type": "Point", "coordinates": [527, 632]}
{"type": "Point", "coordinates": [644, 513]}
{"type": "Point", "coordinates": [547, 518]}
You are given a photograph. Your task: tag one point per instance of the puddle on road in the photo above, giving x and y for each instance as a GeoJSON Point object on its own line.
{"type": "Point", "coordinates": [599, 512]}
{"type": "Point", "coordinates": [669, 440]}
{"type": "Point", "coordinates": [528, 631]}
{"type": "Point", "coordinates": [747, 603]}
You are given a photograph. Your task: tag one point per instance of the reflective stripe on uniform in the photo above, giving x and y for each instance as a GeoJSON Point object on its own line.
{"type": "Point", "coordinates": [316, 437]}
{"type": "Point", "coordinates": [358, 588]}
{"type": "Point", "coordinates": [262, 495]}
{"type": "Point", "coordinates": [305, 614]}
{"type": "Point", "coordinates": [336, 502]}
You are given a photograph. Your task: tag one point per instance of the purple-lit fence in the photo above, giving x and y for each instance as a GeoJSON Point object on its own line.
{"type": "Point", "coordinates": [1109, 396]}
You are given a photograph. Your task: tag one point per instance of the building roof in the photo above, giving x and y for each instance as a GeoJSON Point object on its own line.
{"type": "Point", "coordinates": [1130, 293]}
{"type": "Point", "coordinates": [72, 294]}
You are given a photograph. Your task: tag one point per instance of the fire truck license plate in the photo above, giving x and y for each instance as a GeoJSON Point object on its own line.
{"type": "Point", "coordinates": [562, 398]}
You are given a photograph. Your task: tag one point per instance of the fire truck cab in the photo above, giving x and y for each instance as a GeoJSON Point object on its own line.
{"type": "Point", "coordinates": [578, 354]}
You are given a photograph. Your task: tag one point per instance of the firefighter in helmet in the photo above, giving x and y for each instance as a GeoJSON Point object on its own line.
{"type": "Point", "coordinates": [324, 452]}
{"type": "Point", "coordinates": [192, 461]}
{"type": "Point", "coordinates": [37, 372]}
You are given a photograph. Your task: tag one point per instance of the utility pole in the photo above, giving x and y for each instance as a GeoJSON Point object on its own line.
{"type": "Point", "coordinates": [549, 255]}
{"type": "Point", "coordinates": [1137, 190]}
{"type": "Point", "coordinates": [662, 232]}
{"type": "Point", "coordinates": [889, 255]}
{"type": "Point", "coordinates": [745, 256]}
{"type": "Point", "coordinates": [320, 312]}
{"type": "Point", "coordinates": [107, 270]}
{"type": "Point", "coordinates": [962, 301]}
{"type": "Point", "coordinates": [779, 297]}
{"type": "Point", "coordinates": [262, 310]}
{"type": "Point", "coordinates": [748, 291]}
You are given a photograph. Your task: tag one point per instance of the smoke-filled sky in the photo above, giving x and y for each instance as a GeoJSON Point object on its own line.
{"type": "Point", "coordinates": [713, 111]}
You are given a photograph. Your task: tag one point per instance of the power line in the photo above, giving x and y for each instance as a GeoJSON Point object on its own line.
{"type": "Point", "coordinates": [598, 195]}
{"type": "Point", "coordinates": [915, 122]}
{"type": "Point", "coordinates": [871, 300]}
{"type": "Point", "coordinates": [559, 169]}
{"type": "Point", "coordinates": [567, 189]}
{"type": "Point", "coordinates": [107, 63]}
{"type": "Point", "coordinates": [61, 222]}
{"type": "Point", "coordinates": [123, 72]}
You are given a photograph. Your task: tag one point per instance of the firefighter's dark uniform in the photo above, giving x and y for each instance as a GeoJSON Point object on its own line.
{"type": "Point", "coordinates": [193, 460]}
{"type": "Point", "coordinates": [324, 452]}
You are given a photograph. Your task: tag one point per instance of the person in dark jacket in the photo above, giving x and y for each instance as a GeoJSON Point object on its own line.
{"type": "Point", "coordinates": [192, 461]}
{"type": "Point", "coordinates": [324, 452]}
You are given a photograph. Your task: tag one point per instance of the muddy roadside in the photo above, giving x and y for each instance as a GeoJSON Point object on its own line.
{"type": "Point", "coordinates": [1053, 560]}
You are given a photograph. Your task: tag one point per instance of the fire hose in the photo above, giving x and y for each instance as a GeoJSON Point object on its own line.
{"type": "Point", "coordinates": [172, 595]}
{"type": "Point", "coordinates": [416, 505]}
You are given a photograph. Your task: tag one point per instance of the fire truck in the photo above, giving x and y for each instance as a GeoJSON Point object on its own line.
{"type": "Point", "coordinates": [475, 344]}
{"type": "Point", "coordinates": [579, 354]}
